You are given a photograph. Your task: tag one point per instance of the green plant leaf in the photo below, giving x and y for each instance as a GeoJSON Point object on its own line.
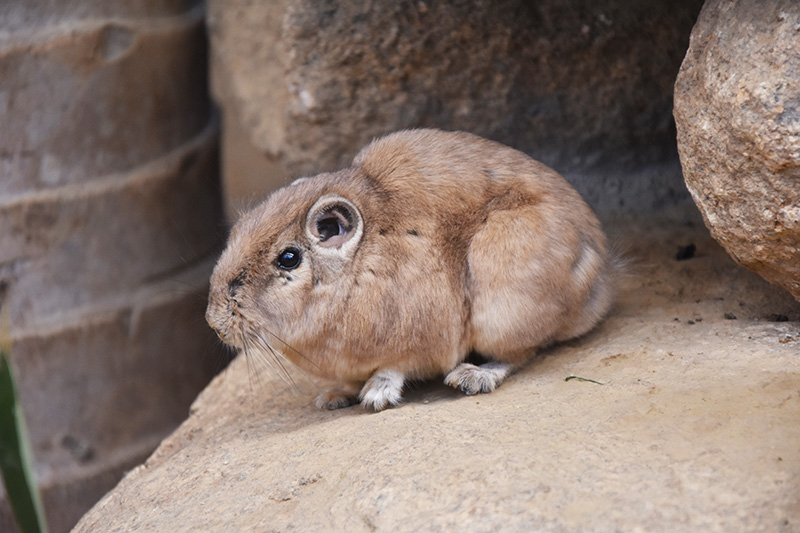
{"type": "Point", "coordinates": [15, 455]}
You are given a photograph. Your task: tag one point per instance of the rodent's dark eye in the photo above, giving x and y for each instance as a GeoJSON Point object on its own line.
{"type": "Point", "coordinates": [289, 258]}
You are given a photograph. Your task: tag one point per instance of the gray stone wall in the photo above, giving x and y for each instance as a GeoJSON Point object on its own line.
{"type": "Point", "coordinates": [109, 225]}
{"type": "Point", "coordinates": [584, 86]}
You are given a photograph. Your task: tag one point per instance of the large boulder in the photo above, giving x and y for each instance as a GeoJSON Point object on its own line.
{"type": "Point", "coordinates": [694, 429]}
{"type": "Point", "coordinates": [737, 109]}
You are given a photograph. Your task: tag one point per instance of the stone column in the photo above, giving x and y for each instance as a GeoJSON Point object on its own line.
{"type": "Point", "coordinates": [109, 225]}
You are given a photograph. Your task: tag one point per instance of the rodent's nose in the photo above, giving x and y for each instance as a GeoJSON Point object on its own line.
{"type": "Point", "coordinates": [219, 321]}
{"type": "Point", "coordinates": [210, 318]}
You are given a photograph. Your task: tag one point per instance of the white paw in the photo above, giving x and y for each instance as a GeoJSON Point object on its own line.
{"type": "Point", "coordinates": [335, 399]}
{"type": "Point", "coordinates": [478, 379]}
{"type": "Point", "coordinates": [382, 389]}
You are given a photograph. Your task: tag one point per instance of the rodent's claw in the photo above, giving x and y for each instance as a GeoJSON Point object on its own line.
{"type": "Point", "coordinates": [473, 379]}
{"type": "Point", "coordinates": [383, 389]}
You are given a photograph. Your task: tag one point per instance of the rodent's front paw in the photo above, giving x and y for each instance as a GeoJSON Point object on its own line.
{"type": "Point", "coordinates": [336, 399]}
{"type": "Point", "coordinates": [382, 389]}
{"type": "Point", "coordinates": [478, 379]}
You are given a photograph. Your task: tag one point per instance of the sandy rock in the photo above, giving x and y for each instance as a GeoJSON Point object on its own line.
{"type": "Point", "coordinates": [303, 85]}
{"type": "Point", "coordinates": [693, 429]}
{"type": "Point", "coordinates": [737, 108]}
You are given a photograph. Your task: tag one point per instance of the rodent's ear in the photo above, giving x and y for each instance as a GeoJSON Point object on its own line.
{"type": "Point", "coordinates": [334, 222]}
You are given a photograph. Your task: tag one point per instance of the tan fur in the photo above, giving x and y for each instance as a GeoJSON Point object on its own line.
{"type": "Point", "coordinates": [465, 244]}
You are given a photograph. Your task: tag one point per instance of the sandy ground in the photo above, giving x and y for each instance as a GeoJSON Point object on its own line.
{"type": "Point", "coordinates": [695, 427]}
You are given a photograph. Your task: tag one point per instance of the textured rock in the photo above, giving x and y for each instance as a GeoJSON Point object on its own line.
{"type": "Point", "coordinates": [694, 429]}
{"type": "Point", "coordinates": [575, 84]}
{"type": "Point", "coordinates": [115, 385]}
{"type": "Point", "coordinates": [125, 349]}
{"type": "Point", "coordinates": [149, 230]}
{"type": "Point", "coordinates": [109, 224]}
{"type": "Point", "coordinates": [82, 104]}
{"type": "Point", "coordinates": [38, 14]}
{"type": "Point", "coordinates": [737, 108]}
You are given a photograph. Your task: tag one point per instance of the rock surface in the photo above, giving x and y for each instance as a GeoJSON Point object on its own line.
{"type": "Point", "coordinates": [303, 85]}
{"type": "Point", "coordinates": [694, 429]}
{"type": "Point", "coordinates": [737, 109]}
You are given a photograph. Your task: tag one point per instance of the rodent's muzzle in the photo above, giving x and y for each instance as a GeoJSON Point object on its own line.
{"type": "Point", "coordinates": [215, 319]}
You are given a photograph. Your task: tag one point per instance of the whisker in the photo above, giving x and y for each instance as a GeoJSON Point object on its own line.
{"type": "Point", "coordinates": [266, 362]}
{"type": "Point", "coordinates": [258, 354]}
{"type": "Point", "coordinates": [289, 346]}
{"type": "Point", "coordinates": [276, 357]}
{"type": "Point", "coordinates": [247, 361]}
{"type": "Point", "coordinates": [281, 359]}
{"type": "Point", "coordinates": [252, 370]}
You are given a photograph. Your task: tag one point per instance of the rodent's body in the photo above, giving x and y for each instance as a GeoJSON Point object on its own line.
{"type": "Point", "coordinates": [447, 243]}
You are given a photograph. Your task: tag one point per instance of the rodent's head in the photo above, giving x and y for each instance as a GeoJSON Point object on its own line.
{"type": "Point", "coordinates": [299, 238]}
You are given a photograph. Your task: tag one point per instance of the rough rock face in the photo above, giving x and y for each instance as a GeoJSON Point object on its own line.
{"type": "Point", "coordinates": [303, 85]}
{"type": "Point", "coordinates": [694, 429]}
{"type": "Point", "coordinates": [737, 109]}
{"type": "Point", "coordinates": [109, 217]}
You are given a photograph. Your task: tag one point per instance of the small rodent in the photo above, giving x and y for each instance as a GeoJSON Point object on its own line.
{"type": "Point", "coordinates": [430, 246]}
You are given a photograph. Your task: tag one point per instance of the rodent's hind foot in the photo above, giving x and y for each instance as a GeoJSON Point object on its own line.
{"type": "Point", "coordinates": [383, 389]}
{"type": "Point", "coordinates": [472, 379]}
{"type": "Point", "coordinates": [336, 399]}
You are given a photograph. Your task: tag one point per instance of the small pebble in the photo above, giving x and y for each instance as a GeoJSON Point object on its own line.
{"type": "Point", "coordinates": [686, 252]}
